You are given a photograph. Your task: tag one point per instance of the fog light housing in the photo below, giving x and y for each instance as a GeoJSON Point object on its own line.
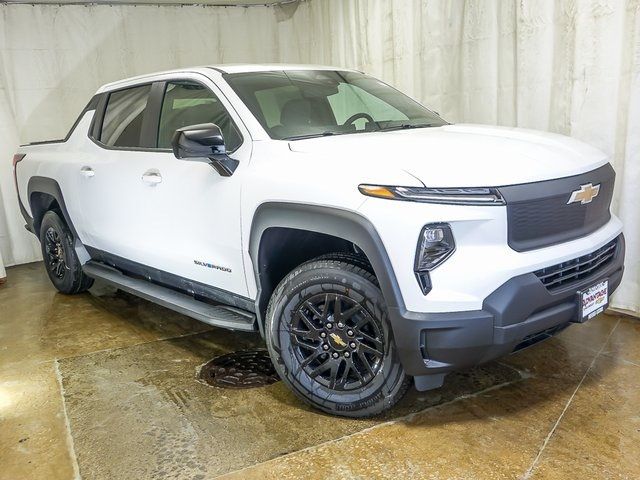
{"type": "Point", "coordinates": [435, 245]}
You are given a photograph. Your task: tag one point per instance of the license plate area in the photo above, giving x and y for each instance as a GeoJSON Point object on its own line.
{"type": "Point", "coordinates": [593, 300]}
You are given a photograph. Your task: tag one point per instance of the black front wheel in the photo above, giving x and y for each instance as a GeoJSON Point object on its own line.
{"type": "Point", "coordinates": [329, 337]}
{"type": "Point", "coordinates": [60, 259]}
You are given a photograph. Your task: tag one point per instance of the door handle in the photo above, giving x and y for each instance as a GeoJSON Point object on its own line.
{"type": "Point", "coordinates": [152, 177]}
{"type": "Point", "coordinates": [87, 171]}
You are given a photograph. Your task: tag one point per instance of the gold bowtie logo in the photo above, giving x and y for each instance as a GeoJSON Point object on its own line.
{"type": "Point", "coordinates": [585, 195]}
{"type": "Point", "coordinates": [336, 338]}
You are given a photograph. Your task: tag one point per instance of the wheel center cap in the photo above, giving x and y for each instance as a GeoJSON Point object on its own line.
{"type": "Point", "coordinates": [337, 341]}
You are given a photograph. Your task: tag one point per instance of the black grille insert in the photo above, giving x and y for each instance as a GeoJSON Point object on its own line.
{"type": "Point", "coordinates": [576, 269]}
{"type": "Point", "coordinates": [537, 337]}
{"type": "Point", "coordinates": [539, 214]}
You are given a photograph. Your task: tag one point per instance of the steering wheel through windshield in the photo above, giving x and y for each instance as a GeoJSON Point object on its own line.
{"type": "Point", "coordinates": [357, 116]}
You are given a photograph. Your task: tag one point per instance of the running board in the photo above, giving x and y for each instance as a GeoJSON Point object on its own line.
{"type": "Point", "coordinates": [216, 315]}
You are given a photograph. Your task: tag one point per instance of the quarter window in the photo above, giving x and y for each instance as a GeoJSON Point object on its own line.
{"type": "Point", "coordinates": [188, 103]}
{"type": "Point", "coordinates": [122, 124]}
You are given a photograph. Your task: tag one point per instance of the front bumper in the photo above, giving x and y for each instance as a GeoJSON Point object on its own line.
{"type": "Point", "coordinates": [517, 314]}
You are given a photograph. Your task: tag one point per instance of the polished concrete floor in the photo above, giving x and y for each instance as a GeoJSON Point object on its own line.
{"type": "Point", "coordinates": [105, 387]}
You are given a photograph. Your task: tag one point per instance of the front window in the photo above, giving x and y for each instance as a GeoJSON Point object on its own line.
{"type": "Point", "coordinates": [189, 103]}
{"type": "Point", "coordinates": [308, 103]}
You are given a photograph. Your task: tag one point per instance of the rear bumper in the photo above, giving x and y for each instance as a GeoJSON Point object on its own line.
{"type": "Point", "coordinates": [517, 314]}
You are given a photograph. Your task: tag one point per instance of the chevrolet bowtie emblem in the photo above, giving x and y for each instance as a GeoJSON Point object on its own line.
{"type": "Point", "coordinates": [336, 338]}
{"type": "Point", "coordinates": [586, 193]}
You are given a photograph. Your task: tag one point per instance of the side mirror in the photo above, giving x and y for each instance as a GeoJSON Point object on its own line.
{"type": "Point", "coordinates": [204, 142]}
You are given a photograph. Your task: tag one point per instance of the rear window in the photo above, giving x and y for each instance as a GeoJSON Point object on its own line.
{"type": "Point", "coordinates": [122, 124]}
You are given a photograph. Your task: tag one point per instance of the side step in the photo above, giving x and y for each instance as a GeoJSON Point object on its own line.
{"type": "Point", "coordinates": [217, 315]}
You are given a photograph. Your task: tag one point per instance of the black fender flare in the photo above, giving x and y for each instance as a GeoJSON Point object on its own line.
{"type": "Point", "coordinates": [50, 187]}
{"type": "Point", "coordinates": [340, 223]}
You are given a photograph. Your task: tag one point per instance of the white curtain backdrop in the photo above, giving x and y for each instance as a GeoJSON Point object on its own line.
{"type": "Point", "coordinates": [567, 66]}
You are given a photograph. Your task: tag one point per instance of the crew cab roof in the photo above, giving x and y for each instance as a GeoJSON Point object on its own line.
{"type": "Point", "coordinates": [223, 68]}
{"type": "Point", "coordinates": [265, 67]}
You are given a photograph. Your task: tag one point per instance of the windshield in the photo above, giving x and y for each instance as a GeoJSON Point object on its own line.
{"type": "Point", "coordinates": [308, 103]}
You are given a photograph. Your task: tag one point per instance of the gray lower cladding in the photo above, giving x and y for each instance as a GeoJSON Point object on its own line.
{"type": "Point", "coordinates": [511, 316]}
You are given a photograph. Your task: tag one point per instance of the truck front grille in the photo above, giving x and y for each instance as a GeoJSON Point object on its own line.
{"type": "Point", "coordinates": [539, 215]}
{"type": "Point", "coordinates": [564, 273]}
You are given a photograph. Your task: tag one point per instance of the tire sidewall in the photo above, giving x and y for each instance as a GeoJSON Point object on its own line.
{"type": "Point", "coordinates": [323, 277]}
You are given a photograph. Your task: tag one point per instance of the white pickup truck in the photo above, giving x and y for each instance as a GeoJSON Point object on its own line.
{"type": "Point", "coordinates": [369, 241]}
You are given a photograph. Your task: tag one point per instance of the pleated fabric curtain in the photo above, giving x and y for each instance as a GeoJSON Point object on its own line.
{"type": "Point", "coordinates": [566, 66]}
{"type": "Point", "coordinates": [54, 57]}
{"type": "Point", "coordinates": [3, 271]}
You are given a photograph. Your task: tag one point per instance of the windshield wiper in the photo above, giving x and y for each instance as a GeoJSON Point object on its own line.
{"type": "Point", "coordinates": [407, 126]}
{"type": "Point", "coordinates": [310, 135]}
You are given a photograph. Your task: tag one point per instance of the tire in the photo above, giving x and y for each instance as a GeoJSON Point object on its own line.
{"type": "Point", "coordinates": [60, 259]}
{"type": "Point", "coordinates": [354, 259]}
{"type": "Point", "coordinates": [301, 323]}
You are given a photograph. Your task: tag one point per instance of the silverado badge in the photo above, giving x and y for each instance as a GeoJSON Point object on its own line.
{"type": "Point", "coordinates": [585, 194]}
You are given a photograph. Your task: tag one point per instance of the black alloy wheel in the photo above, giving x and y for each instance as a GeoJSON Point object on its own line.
{"type": "Point", "coordinates": [60, 258]}
{"type": "Point", "coordinates": [329, 337]}
{"type": "Point", "coordinates": [337, 341]}
{"type": "Point", "coordinates": [55, 255]}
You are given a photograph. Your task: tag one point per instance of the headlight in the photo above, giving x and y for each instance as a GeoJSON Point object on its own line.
{"type": "Point", "coordinates": [435, 245]}
{"type": "Point", "coordinates": [455, 196]}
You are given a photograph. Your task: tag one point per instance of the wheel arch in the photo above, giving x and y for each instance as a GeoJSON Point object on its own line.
{"type": "Point", "coordinates": [338, 226]}
{"type": "Point", "coordinates": [45, 194]}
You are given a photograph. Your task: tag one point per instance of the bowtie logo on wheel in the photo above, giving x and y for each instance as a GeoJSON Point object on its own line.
{"type": "Point", "coordinates": [336, 338]}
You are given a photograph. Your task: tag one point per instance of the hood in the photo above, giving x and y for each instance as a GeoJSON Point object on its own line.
{"type": "Point", "coordinates": [461, 155]}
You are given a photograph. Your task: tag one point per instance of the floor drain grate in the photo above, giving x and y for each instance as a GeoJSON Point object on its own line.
{"type": "Point", "coordinates": [243, 369]}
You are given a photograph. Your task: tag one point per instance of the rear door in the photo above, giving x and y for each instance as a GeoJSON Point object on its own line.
{"type": "Point", "coordinates": [107, 178]}
{"type": "Point", "coordinates": [175, 216]}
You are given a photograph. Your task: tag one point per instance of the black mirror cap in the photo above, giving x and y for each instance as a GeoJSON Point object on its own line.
{"type": "Point", "coordinates": [198, 141]}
